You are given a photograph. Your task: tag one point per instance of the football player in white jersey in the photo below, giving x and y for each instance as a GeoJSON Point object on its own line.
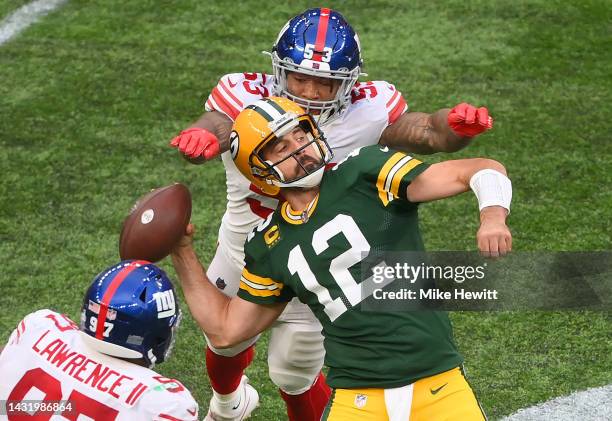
{"type": "Point", "coordinates": [101, 370]}
{"type": "Point", "coordinates": [316, 62]}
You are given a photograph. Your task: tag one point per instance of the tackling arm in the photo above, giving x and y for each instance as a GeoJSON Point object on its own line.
{"type": "Point", "coordinates": [226, 321]}
{"type": "Point", "coordinates": [423, 134]}
{"type": "Point", "coordinates": [445, 130]}
{"type": "Point", "coordinates": [205, 138]}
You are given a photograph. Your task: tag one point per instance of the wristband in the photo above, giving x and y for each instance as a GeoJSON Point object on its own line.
{"type": "Point", "coordinates": [491, 188]}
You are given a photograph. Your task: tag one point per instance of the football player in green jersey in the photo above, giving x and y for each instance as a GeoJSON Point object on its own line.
{"type": "Point", "coordinates": [382, 365]}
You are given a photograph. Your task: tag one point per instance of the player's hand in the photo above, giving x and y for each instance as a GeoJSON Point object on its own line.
{"type": "Point", "coordinates": [468, 121]}
{"type": "Point", "coordinates": [494, 237]}
{"type": "Point", "coordinates": [197, 142]}
{"type": "Point", "coordinates": [186, 240]}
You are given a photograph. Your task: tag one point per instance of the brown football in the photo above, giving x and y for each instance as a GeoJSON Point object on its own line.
{"type": "Point", "coordinates": [156, 223]}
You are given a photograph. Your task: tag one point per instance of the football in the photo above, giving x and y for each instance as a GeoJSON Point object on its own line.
{"type": "Point", "coordinates": [156, 223]}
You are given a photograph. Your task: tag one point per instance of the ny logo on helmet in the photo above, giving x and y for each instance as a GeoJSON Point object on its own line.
{"type": "Point", "coordinates": [166, 305]}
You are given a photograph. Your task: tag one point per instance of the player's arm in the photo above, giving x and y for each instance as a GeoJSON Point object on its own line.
{"type": "Point", "coordinates": [226, 321]}
{"type": "Point", "coordinates": [487, 178]}
{"type": "Point", "coordinates": [445, 130]}
{"type": "Point", "coordinates": [205, 139]}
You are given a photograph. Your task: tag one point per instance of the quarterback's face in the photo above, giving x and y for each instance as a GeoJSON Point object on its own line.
{"type": "Point", "coordinates": [312, 88]}
{"type": "Point", "coordinates": [307, 159]}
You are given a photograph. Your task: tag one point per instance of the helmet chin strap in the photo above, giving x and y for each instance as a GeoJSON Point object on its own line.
{"type": "Point", "coordinates": [311, 180]}
{"type": "Point", "coordinates": [278, 171]}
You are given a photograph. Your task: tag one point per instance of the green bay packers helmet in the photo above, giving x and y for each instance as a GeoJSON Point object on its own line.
{"type": "Point", "coordinates": [261, 123]}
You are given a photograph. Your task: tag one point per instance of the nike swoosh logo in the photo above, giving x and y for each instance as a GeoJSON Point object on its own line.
{"type": "Point", "coordinates": [193, 413]}
{"type": "Point", "coordinates": [238, 404]}
{"type": "Point", "coordinates": [434, 391]}
{"type": "Point", "coordinates": [229, 81]}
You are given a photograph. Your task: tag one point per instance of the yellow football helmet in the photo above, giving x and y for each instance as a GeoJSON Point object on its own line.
{"type": "Point", "coordinates": [264, 121]}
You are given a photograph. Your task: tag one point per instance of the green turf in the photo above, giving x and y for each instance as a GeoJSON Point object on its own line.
{"type": "Point", "coordinates": [90, 96]}
{"type": "Point", "coordinates": [9, 6]}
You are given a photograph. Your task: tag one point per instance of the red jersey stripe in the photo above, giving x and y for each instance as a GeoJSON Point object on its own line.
{"type": "Point", "coordinates": [224, 105]}
{"type": "Point", "coordinates": [226, 89]}
{"type": "Point", "coordinates": [169, 417]}
{"type": "Point", "coordinates": [392, 99]}
{"type": "Point", "coordinates": [398, 110]}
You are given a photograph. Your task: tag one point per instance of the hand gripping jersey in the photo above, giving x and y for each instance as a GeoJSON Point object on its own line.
{"type": "Point", "coordinates": [373, 107]}
{"type": "Point", "coordinates": [361, 207]}
{"type": "Point", "coordinates": [46, 359]}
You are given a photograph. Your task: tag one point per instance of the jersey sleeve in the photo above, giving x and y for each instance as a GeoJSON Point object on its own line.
{"type": "Point", "coordinates": [386, 102]}
{"type": "Point", "coordinates": [259, 282]}
{"type": "Point", "coordinates": [395, 104]}
{"type": "Point", "coordinates": [33, 322]}
{"type": "Point", "coordinates": [17, 332]}
{"type": "Point", "coordinates": [178, 409]}
{"type": "Point", "coordinates": [168, 401]}
{"type": "Point", "coordinates": [393, 173]}
{"type": "Point", "coordinates": [237, 90]}
{"type": "Point", "coordinates": [387, 171]}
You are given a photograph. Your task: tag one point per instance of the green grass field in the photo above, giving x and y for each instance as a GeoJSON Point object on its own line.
{"type": "Point", "coordinates": [91, 95]}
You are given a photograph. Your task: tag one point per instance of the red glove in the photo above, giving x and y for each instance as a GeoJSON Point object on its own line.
{"type": "Point", "coordinates": [468, 121]}
{"type": "Point", "coordinates": [196, 142]}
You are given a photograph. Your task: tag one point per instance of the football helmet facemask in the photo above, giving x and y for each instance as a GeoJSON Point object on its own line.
{"type": "Point", "coordinates": [261, 123]}
{"type": "Point", "coordinates": [321, 43]}
{"type": "Point", "coordinates": [131, 311]}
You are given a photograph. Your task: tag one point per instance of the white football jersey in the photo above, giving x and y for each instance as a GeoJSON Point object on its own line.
{"type": "Point", "coordinates": [374, 106]}
{"type": "Point", "coordinates": [47, 359]}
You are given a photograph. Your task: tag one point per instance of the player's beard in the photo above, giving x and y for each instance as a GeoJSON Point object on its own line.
{"type": "Point", "coordinates": [307, 165]}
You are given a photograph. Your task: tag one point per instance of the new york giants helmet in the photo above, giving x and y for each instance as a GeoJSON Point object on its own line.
{"type": "Point", "coordinates": [130, 311]}
{"type": "Point", "coordinates": [318, 42]}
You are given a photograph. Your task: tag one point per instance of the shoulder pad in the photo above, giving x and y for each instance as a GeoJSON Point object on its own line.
{"type": "Point", "coordinates": [379, 94]}
{"type": "Point", "coordinates": [235, 91]}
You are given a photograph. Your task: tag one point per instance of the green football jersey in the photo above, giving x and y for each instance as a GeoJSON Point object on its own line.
{"type": "Point", "coordinates": [316, 254]}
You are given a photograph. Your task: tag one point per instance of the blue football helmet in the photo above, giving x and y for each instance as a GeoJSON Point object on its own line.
{"type": "Point", "coordinates": [318, 42]}
{"type": "Point", "coordinates": [131, 311]}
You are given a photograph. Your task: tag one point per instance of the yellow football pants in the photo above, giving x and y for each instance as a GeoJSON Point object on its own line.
{"type": "Point", "coordinates": [445, 396]}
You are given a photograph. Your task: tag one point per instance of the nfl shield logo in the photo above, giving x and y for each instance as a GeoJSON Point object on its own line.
{"type": "Point", "coordinates": [220, 283]}
{"type": "Point", "coordinates": [360, 400]}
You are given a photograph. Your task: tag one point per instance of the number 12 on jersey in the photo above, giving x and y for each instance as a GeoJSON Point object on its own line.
{"type": "Point", "coordinates": [338, 268]}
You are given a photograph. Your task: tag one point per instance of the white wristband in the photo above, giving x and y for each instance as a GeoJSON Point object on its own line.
{"type": "Point", "coordinates": [492, 188]}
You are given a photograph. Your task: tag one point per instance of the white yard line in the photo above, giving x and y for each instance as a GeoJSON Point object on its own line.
{"type": "Point", "coordinates": [26, 15]}
{"type": "Point", "coordinates": [588, 405]}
